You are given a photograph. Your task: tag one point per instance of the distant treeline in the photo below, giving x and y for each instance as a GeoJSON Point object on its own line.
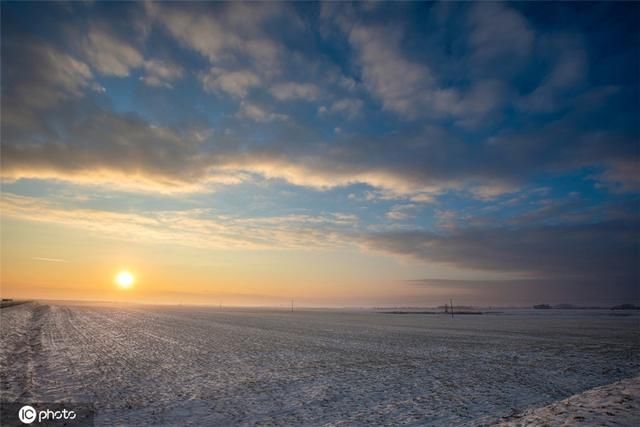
{"type": "Point", "coordinates": [575, 307]}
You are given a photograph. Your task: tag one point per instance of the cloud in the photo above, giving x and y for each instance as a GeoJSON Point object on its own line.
{"type": "Point", "coordinates": [235, 83]}
{"type": "Point", "coordinates": [498, 31]}
{"type": "Point", "coordinates": [39, 76]}
{"type": "Point", "coordinates": [568, 70]}
{"type": "Point", "coordinates": [401, 212]}
{"type": "Point", "coordinates": [97, 146]}
{"type": "Point", "coordinates": [55, 127]}
{"type": "Point", "coordinates": [394, 79]}
{"type": "Point", "coordinates": [621, 175]}
{"type": "Point", "coordinates": [103, 148]}
{"type": "Point", "coordinates": [562, 145]}
{"type": "Point", "coordinates": [293, 91]}
{"type": "Point", "coordinates": [89, 145]}
{"type": "Point", "coordinates": [347, 106]}
{"type": "Point", "coordinates": [257, 113]}
{"type": "Point", "coordinates": [489, 191]}
{"type": "Point", "coordinates": [223, 32]}
{"type": "Point", "coordinates": [161, 73]}
{"type": "Point", "coordinates": [37, 258]}
{"type": "Point", "coordinates": [412, 89]}
{"type": "Point", "coordinates": [109, 55]}
{"type": "Point", "coordinates": [483, 98]}
{"type": "Point", "coordinates": [200, 228]}
{"type": "Point", "coordinates": [605, 251]}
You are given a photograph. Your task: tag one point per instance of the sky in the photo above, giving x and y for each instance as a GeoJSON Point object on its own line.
{"type": "Point", "coordinates": [334, 154]}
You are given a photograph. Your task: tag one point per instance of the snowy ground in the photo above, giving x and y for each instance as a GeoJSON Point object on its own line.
{"type": "Point", "coordinates": [187, 365]}
{"type": "Point", "coordinates": [616, 404]}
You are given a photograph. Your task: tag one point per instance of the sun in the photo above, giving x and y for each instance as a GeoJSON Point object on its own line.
{"type": "Point", "coordinates": [124, 279]}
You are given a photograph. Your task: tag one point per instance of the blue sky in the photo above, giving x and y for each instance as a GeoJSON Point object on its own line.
{"type": "Point", "coordinates": [479, 145]}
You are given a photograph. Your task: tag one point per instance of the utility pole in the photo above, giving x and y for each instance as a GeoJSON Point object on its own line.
{"type": "Point", "coordinates": [451, 301]}
{"type": "Point", "coordinates": [292, 306]}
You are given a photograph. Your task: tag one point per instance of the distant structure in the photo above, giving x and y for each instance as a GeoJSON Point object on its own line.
{"type": "Point", "coordinates": [447, 306]}
{"type": "Point", "coordinates": [542, 306]}
{"type": "Point", "coordinates": [626, 307]}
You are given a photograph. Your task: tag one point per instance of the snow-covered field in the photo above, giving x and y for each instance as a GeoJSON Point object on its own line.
{"type": "Point", "coordinates": [616, 404]}
{"type": "Point", "coordinates": [189, 365]}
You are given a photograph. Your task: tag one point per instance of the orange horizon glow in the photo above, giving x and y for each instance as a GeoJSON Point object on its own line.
{"type": "Point", "coordinates": [73, 262]}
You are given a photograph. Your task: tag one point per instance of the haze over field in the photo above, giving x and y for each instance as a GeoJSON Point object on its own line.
{"type": "Point", "coordinates": [331, 154]}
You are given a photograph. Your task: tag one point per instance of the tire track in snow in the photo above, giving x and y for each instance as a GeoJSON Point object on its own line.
{"type": "Point", "coordinates": [20, 376]}
{"type": "Point", "coordinates": [34, 351]}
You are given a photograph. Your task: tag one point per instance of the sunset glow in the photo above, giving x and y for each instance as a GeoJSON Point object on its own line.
{"type": "Point", "coordinates": [333, 153]}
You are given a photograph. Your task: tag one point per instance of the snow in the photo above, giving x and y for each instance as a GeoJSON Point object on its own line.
{"type": "Point", "coordinates": [195, 365]}
{"type": "Point", "coordinates": [616, 404]}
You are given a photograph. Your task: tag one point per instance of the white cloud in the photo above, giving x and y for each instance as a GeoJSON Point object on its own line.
{"type": "Point", "coordinates": [161, 73]}
{"type": "Point", "coordinates": [202, 228]}
{"type": "Point", "coordinates": [395, 80]}
{"type": "Point", "coordinates": [236, 83]}
{"type": "Point", "coordinates": [490, 191]}
{"type": "Point", "coordinates": [110, 55]}
{"type": "Point", "coordinates": [293, 91]}
{"type": "Point", "coordinates": [401, 212]}
{"type": "Point", "coordinates": [257, 113]}
{"type": "Point", "coordinates": [410, 88]}
{"type": "Point", "coordinates": [234, 31]}
{"type": "Point", "coordinates": [350, 107]}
